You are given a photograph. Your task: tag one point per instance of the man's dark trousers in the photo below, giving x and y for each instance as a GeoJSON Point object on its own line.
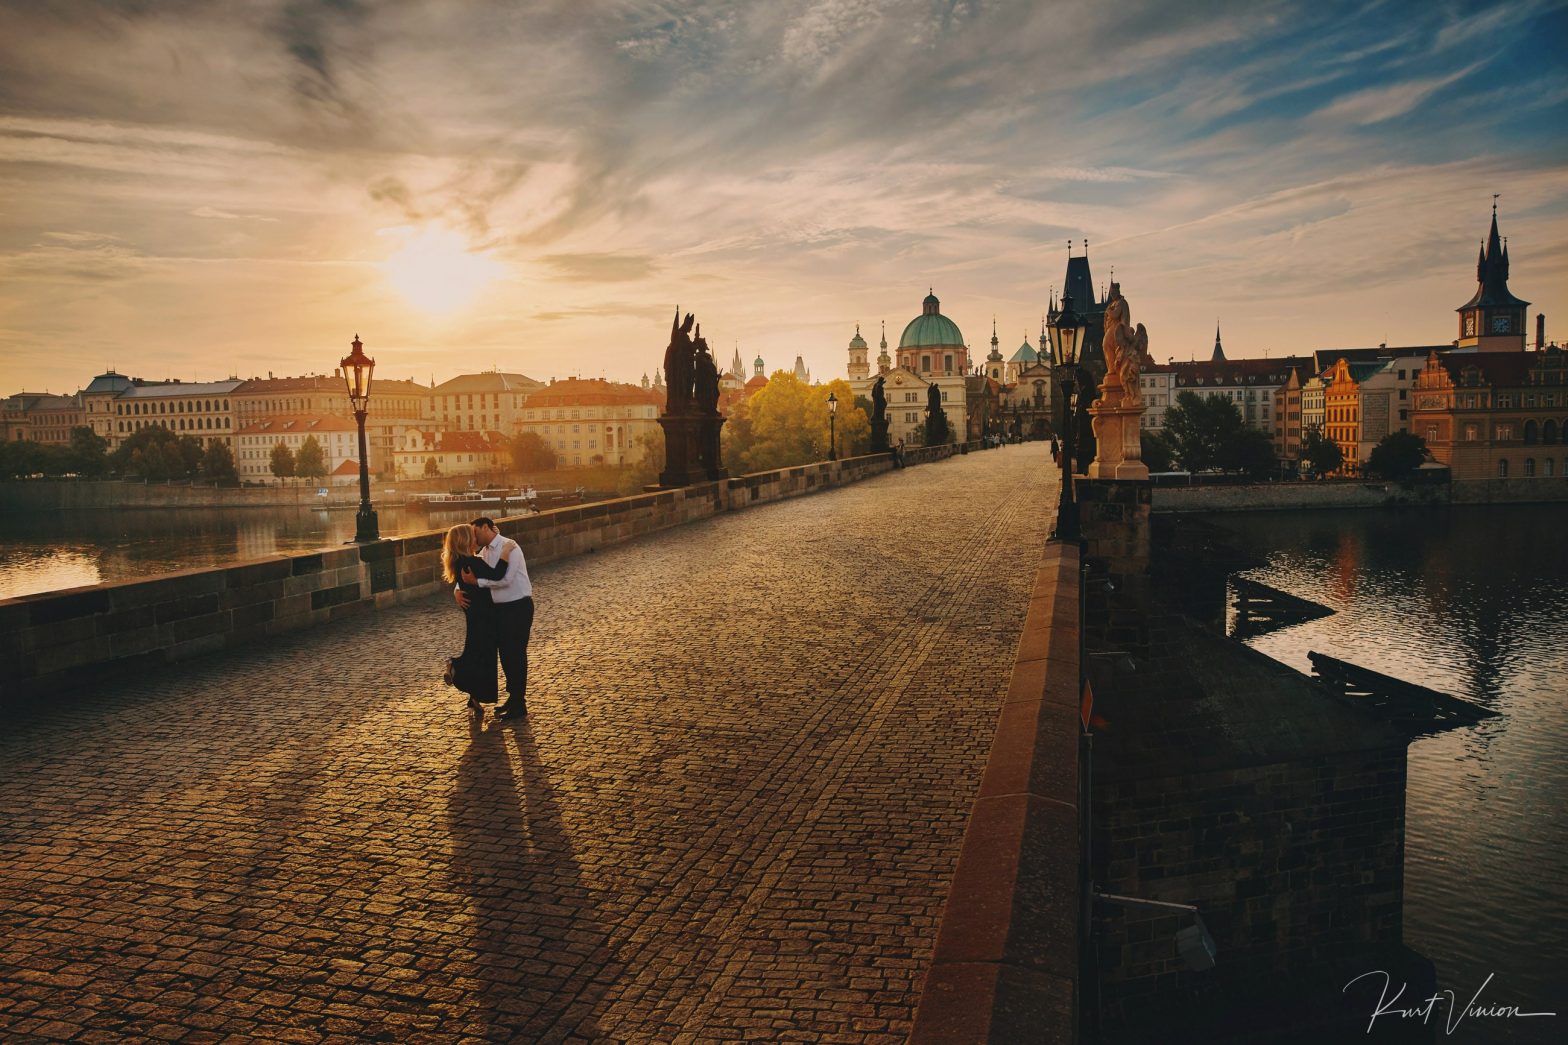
{"type": "Point", "coordinates": [514, 623]}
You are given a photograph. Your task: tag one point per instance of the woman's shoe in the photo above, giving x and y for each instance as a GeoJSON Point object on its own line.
{"type": "Point", "coordinates": [477, 710]}
{"type": "Point", "coordinates": [449, 676]}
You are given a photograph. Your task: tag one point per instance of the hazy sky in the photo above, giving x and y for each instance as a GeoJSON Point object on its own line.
{"type": "Point", "coordinates": [195, 188]}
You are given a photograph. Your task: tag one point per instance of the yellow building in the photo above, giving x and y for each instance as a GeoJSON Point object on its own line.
{"type": "Point", "coordinates": [593, 421]}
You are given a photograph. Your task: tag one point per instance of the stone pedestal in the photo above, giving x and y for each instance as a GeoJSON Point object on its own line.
{"type": "Point", "coordinates": [1118, 434]}
{"type": "Point", "coordinates": [879, 443]}
{"type": "Point", "coordinates": [682, 451]}
{"type": "Point", "coordinates": [691, 450]}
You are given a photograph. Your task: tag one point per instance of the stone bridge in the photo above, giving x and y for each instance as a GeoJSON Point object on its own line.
{"type": "Point", "coordinates": [733, 813]}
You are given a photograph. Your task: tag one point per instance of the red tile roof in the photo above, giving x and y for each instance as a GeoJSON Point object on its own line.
{"type": "Point", "coordinates": [595, 392]}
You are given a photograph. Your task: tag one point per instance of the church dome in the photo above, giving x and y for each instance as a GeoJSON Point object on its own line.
{"type": "Point", "coordinates": [857, 341]}
{"type": "Point", "coordinates": [931, 329]}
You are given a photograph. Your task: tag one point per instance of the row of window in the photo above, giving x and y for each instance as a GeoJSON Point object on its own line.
{"type": "Point", "coordinates": [181, 424]}
{"type": "Point", "coordinates": [564, 413]}
{"type": "Point", "coordinates": [493, 398]}
{"type": "Point", "coordinates": [1548, 468]}
{"type": "Point", "coordinates": [164, 406]}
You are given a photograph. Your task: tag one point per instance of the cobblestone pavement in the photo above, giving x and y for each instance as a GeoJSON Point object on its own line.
{"type": "Point", "coordinates": [732, 813]}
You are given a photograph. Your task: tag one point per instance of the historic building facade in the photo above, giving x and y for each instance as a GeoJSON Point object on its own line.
{"type": "Point", "coordinates": [593, 421]}
{"type": "Point", "coordinates": [429, 453]}
{"type": "Point", "coordinates": [200, 409]}
{"type": "Point", "coordinates": [338, 438]}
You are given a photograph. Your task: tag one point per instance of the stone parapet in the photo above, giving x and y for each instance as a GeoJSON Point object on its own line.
{"type": "Point", "coordinates": [54, 642]}
{"type": "Point", "coordinates": [1006, 961]}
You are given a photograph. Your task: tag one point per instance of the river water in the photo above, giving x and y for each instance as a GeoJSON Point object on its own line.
{"type": "Point", "coordinates": [1471, 601]}
{"type": "Point", "coordinates": [48, 551]}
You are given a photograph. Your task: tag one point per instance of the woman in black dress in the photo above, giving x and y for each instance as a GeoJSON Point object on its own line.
{"type": "Point", "coordinates": [473, 670]}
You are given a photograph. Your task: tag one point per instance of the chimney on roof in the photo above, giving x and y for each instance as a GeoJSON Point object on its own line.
{"type": "Point", "coordinates": [1540, 331]}
{"type": "Point", "coordinates": [269, 375]}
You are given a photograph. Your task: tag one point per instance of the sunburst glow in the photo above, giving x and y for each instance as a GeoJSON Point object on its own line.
{"type": "Point", "coordinates": [435, 271]}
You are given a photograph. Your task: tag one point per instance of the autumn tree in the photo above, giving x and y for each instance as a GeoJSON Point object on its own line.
{"type": "Point", "coordinates": [530, 453]}
{"type": "Point", "coordinates": [282, 460]}
{"type": "Point", "coordinates": [218, 462]}
{"type": "Point", "coordinates": [310, 462]}
{"type": "Point", "coordinates": [785, 423]}
{"type": "Point", "coordinates": [647, 461]}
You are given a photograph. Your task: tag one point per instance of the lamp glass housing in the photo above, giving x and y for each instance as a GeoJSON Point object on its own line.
{"type": "Point", "coordinates": [357, 371]}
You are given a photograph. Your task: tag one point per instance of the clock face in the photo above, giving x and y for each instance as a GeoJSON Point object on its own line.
{"type": "Point", "coordinates": [1499, 324]}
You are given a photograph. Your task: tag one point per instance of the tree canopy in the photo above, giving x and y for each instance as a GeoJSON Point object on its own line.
{"type": "Point", "coordinates": [1199, 428]}
{"type": "Point", "coordinates": [1397, 455]}
{"type": "Point", "coordinates": [310, 462]}
{"type": "Point", "coordinates": [282, 460]}
{"type": "Point", "coordinates": [218, 462]}
{"type": "Point", "coordinates": [530, 453]}
{"type": "Point", "coordinates": [785, 423]}
{"type": "Point", "coordinates": [1320, 454]}
{"type": "Point", "coordinates": [157, 454]}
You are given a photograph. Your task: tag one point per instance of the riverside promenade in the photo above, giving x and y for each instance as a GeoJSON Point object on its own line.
{"type": "Point", "coordinates": [733, 812]}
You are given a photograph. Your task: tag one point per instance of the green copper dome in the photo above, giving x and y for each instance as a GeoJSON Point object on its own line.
{"type": "Point", "coordinates": [857, 341]}
{"type": "Point", "coordinates": [931, 329]}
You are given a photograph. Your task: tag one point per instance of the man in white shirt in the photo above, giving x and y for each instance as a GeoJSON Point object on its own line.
{"type": "Point", "coordinates": [513, 614]}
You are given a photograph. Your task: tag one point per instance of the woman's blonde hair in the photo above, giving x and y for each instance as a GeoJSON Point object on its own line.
{"type": "Point", "coordinates": [459, 542]}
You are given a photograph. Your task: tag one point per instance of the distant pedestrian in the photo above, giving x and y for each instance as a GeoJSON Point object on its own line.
{"type": "Point", "coordinates": [1056, 451]}
{"type": "Point", "coordinates": [898, 455]}
{"type": "Point", "coordinates": [513, 611]}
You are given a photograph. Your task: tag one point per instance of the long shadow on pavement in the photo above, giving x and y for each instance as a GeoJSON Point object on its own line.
{"type": "Point", "coordinates": [545, 958]}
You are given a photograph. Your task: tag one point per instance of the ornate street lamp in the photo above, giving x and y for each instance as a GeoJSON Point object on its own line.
{"type": "Point", "coordinates": [1065, 330]}
{"type": "Point", "coordinates": [832, 427]}
{"type": "Point", "coordinates": [357, 368]}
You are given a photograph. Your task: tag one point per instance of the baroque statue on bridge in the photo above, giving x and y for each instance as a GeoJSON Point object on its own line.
{"type": "Point", "coordinates": [1125, 347]}
{"type": "Point", "coordinates": [691, 420]}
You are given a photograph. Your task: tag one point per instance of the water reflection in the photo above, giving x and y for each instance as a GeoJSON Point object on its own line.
{"type": "Point", "coordinates": [1470, 602]}
{"type": "Point", "coordinates": [48, 551]}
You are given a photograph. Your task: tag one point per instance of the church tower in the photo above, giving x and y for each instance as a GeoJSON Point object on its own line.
{"type": "Point", "coordinates": [1219, 351]}
{"type": "Point", "coordinates": [993, 362]}
{"type": "Point", "coordinates": [759, 367]}
{"type": "Point", "coordinates": [859, 368]}
{"type": "Point", "coordinates": [884, 361]}
{"type": "Point", "coordinates": [1493, 319]}
{"type": "Point", "coordinates": [736, 366]}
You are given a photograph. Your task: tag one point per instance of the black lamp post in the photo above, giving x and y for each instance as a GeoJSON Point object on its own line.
{"type": "Point", "coordinates": [357, 368]}
{"type": "Point", "coordinates": [1065, 329]}
{"type": "Point", "coordinates": [832, 427]}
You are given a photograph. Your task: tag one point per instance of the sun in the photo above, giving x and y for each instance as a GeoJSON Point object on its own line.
{"type": "Point", "coordinates": [436, 272]}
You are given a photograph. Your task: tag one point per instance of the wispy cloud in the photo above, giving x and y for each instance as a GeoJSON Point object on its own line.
{"type": "Point", "coordinates": [798, 166]}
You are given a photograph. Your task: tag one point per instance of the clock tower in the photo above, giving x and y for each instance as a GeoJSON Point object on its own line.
{"type": "Point", "coordinates": [1493, 319]}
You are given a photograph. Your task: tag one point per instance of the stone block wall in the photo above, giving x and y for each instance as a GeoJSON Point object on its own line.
{"type": "Point", "coordinates": [1291, 865]}
{"type": "Point", "coordinates": [1255, 497]}
{"type": "Point", "coordinates": [1006, 962]}
{"type": "Point", "coordinates": [53, 642]}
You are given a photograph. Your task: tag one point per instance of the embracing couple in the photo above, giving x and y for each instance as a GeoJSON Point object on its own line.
{"type": "Point", "coordinates": [491, 584]}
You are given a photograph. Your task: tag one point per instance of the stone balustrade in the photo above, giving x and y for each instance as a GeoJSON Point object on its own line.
{"type": "Point", "coordinates": [56, 641]}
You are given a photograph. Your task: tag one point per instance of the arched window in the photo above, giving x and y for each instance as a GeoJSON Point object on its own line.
{"type": "Point", "coordinates": [1549, 432]}
{"type": "Point", "coordinates": [1530, 431]}
{"type": "Point", "coordinates": [1547, 467]}
{"type": "Point", "coordinates": [1529, 467]}
{"type": "Point", "coordinates": [1502, 468]}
